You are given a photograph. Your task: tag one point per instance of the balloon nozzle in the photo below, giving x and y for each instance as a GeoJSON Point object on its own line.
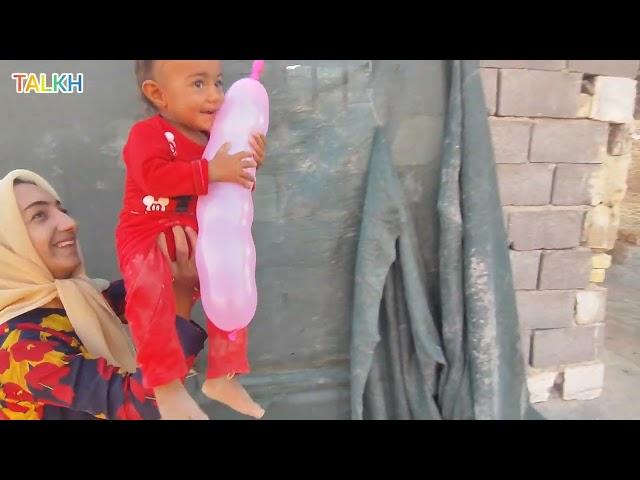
{"type": "Point", "coordinates": [256, 69]}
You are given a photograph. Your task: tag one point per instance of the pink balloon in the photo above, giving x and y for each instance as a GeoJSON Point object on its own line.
{"type": "Point", "coordinates": [225, 252]}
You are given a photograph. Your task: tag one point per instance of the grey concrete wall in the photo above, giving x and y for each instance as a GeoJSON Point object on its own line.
{"type": "Point", "coordinates": [308, 197]}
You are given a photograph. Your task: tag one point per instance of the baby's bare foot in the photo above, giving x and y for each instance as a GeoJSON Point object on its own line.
{"type": "Point", "coordinates": [175, 403]}
{"type": "Point", "coordinates": [230, 392]}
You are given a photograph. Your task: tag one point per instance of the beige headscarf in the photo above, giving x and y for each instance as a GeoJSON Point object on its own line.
{"type": "Point", "coordinates": [26, 283]}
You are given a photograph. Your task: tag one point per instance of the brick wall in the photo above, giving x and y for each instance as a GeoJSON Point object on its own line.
{"type": "Point", "coordinates": [562, 139]}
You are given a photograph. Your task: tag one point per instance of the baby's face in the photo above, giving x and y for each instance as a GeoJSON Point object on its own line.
{"type": "Point", "coordinates": [193, 91]}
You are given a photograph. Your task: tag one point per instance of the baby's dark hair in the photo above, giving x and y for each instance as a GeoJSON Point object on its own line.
{"type": "Point", "coordinates": [144, 71]}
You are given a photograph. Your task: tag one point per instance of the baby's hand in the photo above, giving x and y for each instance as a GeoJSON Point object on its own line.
{"type": "Point", "coordinates": [258, 143]}
{"type": "Point", "coordinates": [231, 168]}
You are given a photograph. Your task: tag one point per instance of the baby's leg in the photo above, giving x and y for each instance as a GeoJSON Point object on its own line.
{"type": "Point", "coordinates": [151, 313]}
{"type": "Point", "coordinates": [228, 357]}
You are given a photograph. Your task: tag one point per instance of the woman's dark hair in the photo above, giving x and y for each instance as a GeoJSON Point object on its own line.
{"type": "Point", "coordinates": [18, 181]}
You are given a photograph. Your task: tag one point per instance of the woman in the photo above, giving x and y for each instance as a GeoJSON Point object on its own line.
{"type": "Point", "coordinates": [64, 354]}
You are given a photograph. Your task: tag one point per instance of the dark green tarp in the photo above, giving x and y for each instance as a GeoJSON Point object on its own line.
{"type": "Point", "coordinates": [458, 355]}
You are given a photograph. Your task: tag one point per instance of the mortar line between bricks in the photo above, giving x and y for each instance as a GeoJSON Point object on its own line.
{"type": "Point", "coordinates": [534, 69]}
{"type": "Point", "coordinates": [574, 320]}
{"type": "Point", "coordinates": [575, 163]}
{"type": "Point", "coordinates": [567, 290]}
{"type": "Point", "coordinates": [534, 118]}
{"type": "Point", "coordinates": [498, 85]}
{"type": "Point", "coordinates": [531, 127]}
{"type": "Point", "coordinates": [538, 280]}
{"type": "Point", "coordinates": [553, 182]}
